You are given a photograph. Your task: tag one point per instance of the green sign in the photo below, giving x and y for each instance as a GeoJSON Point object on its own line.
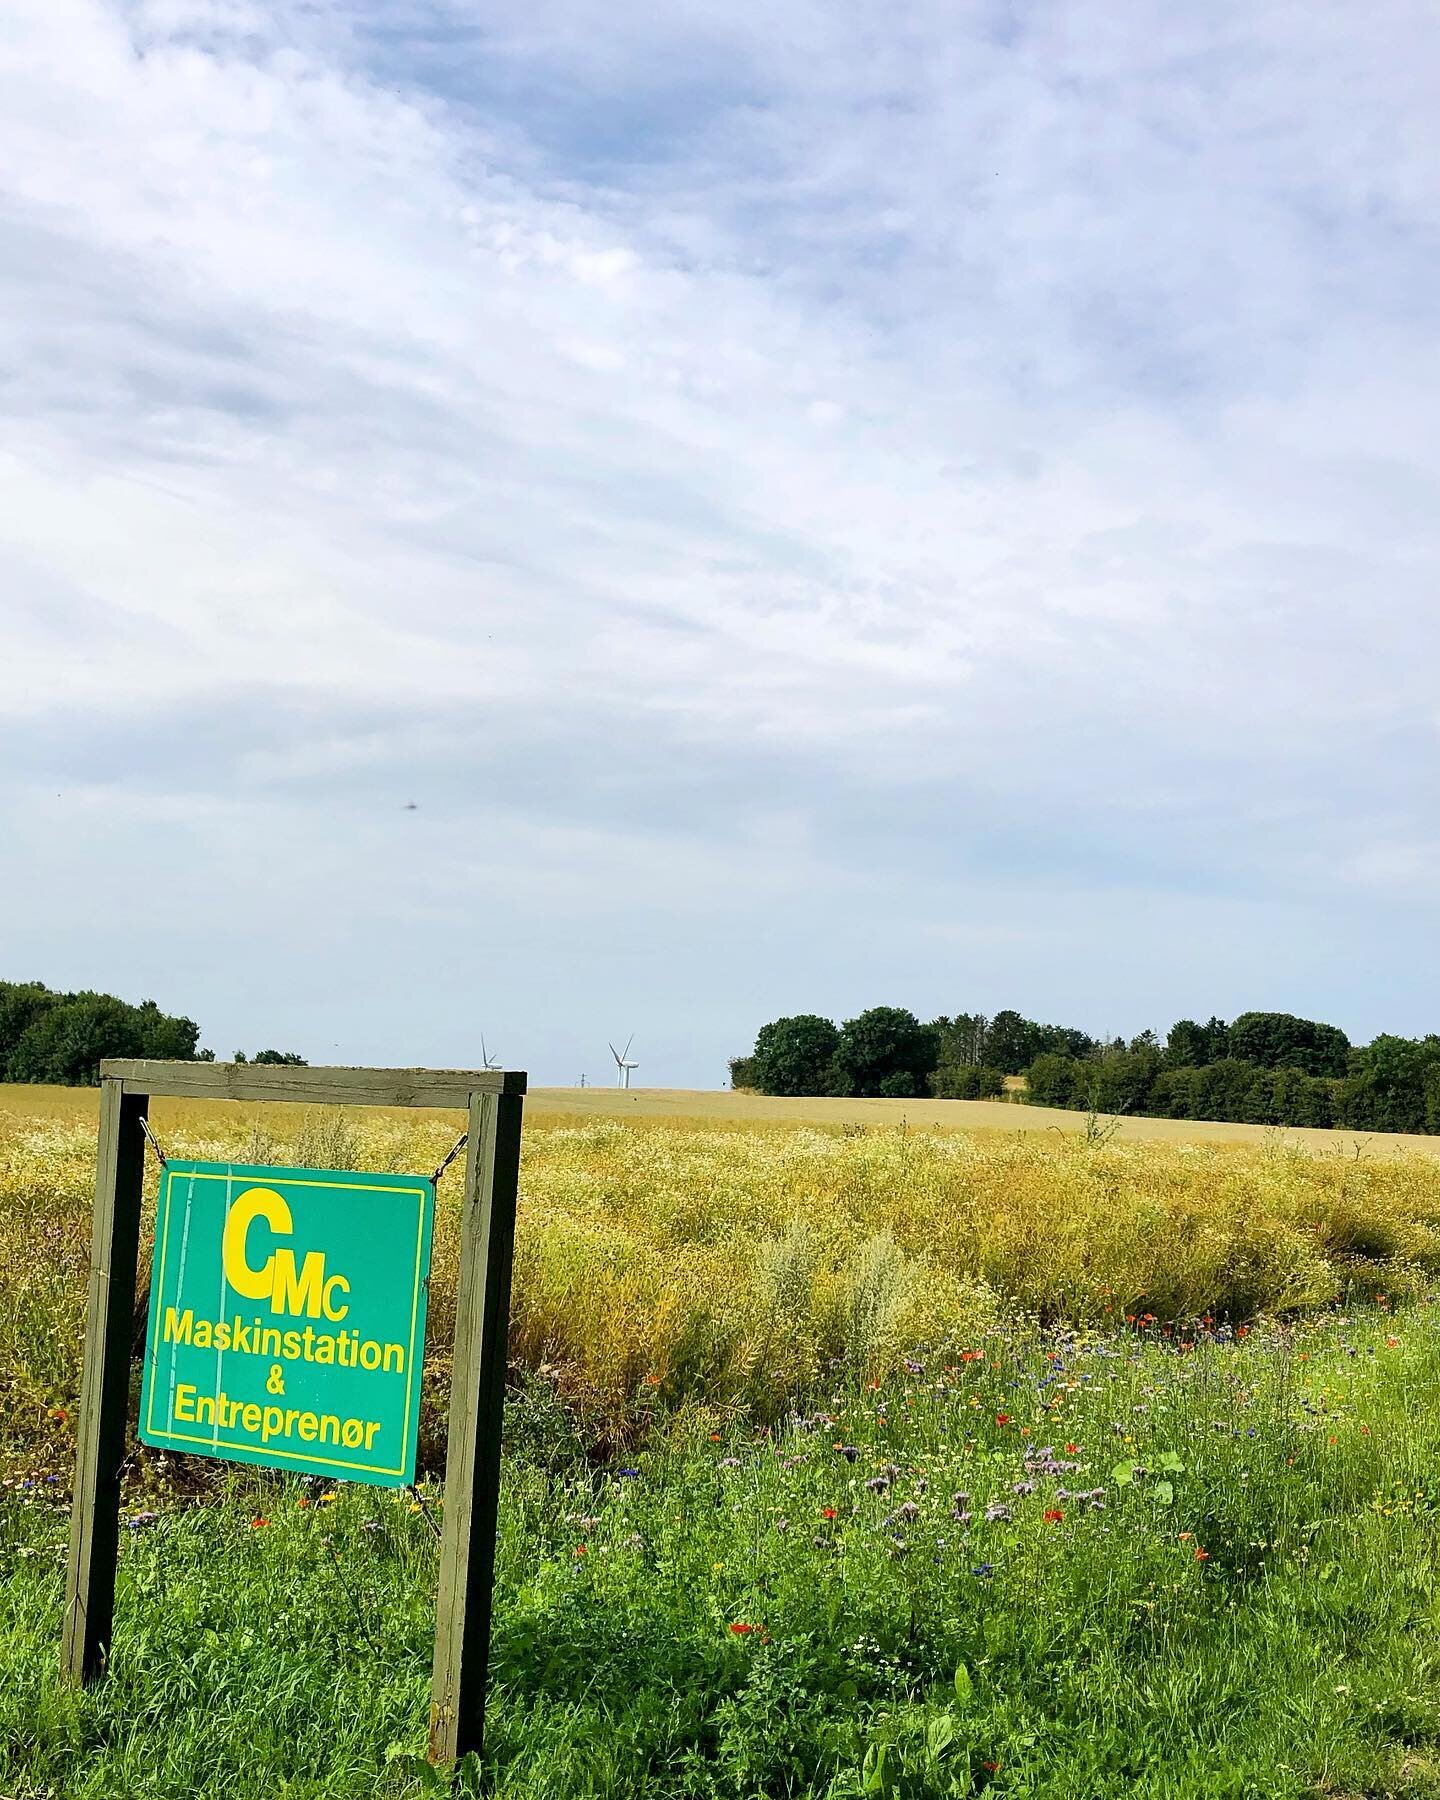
{"type": "Point", "coordinates": [287, 1318]}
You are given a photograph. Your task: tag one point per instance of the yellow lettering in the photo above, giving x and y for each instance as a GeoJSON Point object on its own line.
{"type": "Point", "coordinates": [177, 1330]}
{"type": "Point", "coordinates": [302, 1292]}
{"type": "Point", "coordinates": [351, 1433]}
{"type": "Point", "coordinates": [185, 1402]}
{"type": "Point", "coordinates": [250, 1416]}
{"type": "Point", "coordinates": [254, 1203]}
{"type": "Point", "coordinates": [331, 1310]}
{"type": "Point", "coordinates": [309, 1425]}
{"type": "Point", "coordinates": [394, 1359]}
{"type": "Point", "coordinates": [371, 1427]}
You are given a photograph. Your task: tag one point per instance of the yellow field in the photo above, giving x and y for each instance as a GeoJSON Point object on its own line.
{"type": "Point", "coordinates": [712, 1108]}
{"type": "Point", "coordinates": [725, 1259]}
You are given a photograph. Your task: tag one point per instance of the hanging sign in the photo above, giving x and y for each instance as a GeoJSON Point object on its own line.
{"type": "Point", "coordinates": [287, 1318]}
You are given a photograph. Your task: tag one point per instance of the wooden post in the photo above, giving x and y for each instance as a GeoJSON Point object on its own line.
{"type": "Point", "coordinates": [472, 1475]}
{"type": "Point", "coordinates": [105, 1384]}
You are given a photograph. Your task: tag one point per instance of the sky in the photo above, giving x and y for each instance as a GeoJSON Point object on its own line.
{"type": "Point", "coordinates": [560, 521]}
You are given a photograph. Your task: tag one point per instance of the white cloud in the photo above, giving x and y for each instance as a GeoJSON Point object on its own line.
{"type": "Point", "coordinates": [950, 425]}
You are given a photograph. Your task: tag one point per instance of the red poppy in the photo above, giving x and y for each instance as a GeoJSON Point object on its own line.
{"type": "Point", "coordinates": [1002, 1418]}
{"type": "Point", "coordinates": [1072, 1449]}
{"type": "Point", "coordinates": [255, 1524]}
{"type": "Point", "coordinates": [579, 1549]}
{"type": "Point", "coordinates": [1054, 1515]}
{"type": "Point", "coordinates": [1201, 1555]}
{"type": "Point", "coordinates": [302, 1502]}
{"type": "Point", "coordinates": [741, 1629]}
{"type": "Point", "coordinates": [827, 1512]}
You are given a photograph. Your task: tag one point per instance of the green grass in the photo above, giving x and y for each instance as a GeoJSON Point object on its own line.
{"type": "Point", "coordinates": [1093, 1654]}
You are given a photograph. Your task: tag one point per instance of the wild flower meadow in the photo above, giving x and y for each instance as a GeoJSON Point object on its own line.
{"type": "Point", "coordinates": [835, 1466]}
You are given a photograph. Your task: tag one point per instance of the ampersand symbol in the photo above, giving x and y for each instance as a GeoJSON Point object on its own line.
{"type": "Point", "coordinates": [275, 1384]}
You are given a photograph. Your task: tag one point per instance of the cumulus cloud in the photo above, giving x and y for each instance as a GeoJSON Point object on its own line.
{"type": "Point", "coordinates": [815, 506]}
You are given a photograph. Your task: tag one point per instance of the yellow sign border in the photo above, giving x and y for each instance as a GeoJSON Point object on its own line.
{"type": "Point", "coordinates": [217, 1443]}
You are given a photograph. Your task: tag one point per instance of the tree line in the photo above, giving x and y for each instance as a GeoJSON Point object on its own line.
{"type": "Point", "coordinates": [1265, 1068]}
{"type": "Point", "coordinates": [59, 1038]}
{"type": "Point", "coordinates": [888, 1052]}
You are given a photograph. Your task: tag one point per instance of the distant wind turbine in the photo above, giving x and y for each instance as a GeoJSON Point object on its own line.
{"type": "Point", "coordinates": [622, 1067]}
{"type": "Point", "coordinates": [487, 1060]}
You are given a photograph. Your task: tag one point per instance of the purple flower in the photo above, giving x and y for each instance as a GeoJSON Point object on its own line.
{"type": "Point", "coordinates": [1024, 1487]}
{"type": "Point", "coordinates": [998, 1514]}
{"type": "Point", "coordinates": [848, 1451]}
{"type": "Point", "coordinates": [877, 1484]}
{"type": "Point", "coordinates": [627, 1474]}
{"type": "Point", "coordinates": [983, 1571]}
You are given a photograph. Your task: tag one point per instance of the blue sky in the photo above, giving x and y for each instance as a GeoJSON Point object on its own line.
{"type": "Point", "coordinates": [817, 505]}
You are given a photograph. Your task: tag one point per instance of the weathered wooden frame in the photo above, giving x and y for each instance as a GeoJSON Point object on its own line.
{"type": "Point", "coordinates": [492, 1100]}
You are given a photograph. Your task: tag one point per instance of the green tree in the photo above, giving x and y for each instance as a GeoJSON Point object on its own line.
{"type": "Point", "coordinates": [962, 1040]}
{"type": "Point", "coordinates": [742, 1073]}
{"type": "Point", "coordinates": [1282, 1041]}
{"type": "Point", "coordinates": [1122, 1083]}
{"type": "Point", "coordinates": [66, 1042]}
{"type": "Point", "coordinates": [1011, 1044]}
{"type": "Point", "coordinates": [1053, 1080]}
{"type": "Point", "coordinates": [966, 1081]}
{"type": "Point", "coordinates": [883, 1042]}
{"type": "Point", "coordinates": [1191, 1046]}
{"type": "Point", "coordinates": [1389, 1085]}
{"type": "Point", "coordinates": [794, 1055]}
{"type": "Point", "coordinates": [22, 1003]}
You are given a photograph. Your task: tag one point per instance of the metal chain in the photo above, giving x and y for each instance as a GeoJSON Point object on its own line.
{"type": "Point", "coordinates": [430, 1518]}
{"type": "Point", "coordinates": [154, 1143]}
{"type": "Point", "coordinates": [455, 1150]}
